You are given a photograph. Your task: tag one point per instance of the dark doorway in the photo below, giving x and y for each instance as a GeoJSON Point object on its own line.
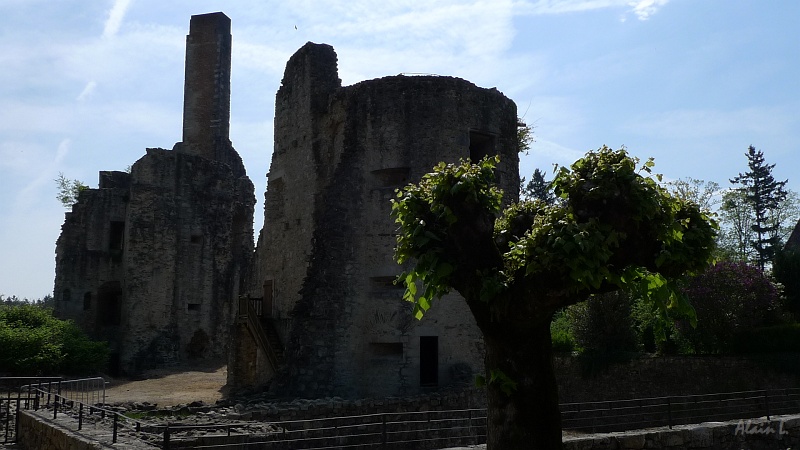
{"type": "Point", "coordinates": [429, 360]}
{"type": "Point", "coordinates": [109, 304]}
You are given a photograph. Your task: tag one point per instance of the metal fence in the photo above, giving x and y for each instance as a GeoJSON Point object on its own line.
{"type": "Point", "coordinates": [395, 431]}
{"type": "Point", "coordinates": [11, 397]}
{"type": "Point", "coordinates": [17, 393]}
{"type": "Point", "coordinates": [407, 430]}
{"type": "Point", "coordinates": [620, 415]}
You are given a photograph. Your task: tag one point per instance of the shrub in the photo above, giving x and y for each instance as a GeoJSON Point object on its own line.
{"type": "Point", "coordinates": [729, 298]}
{"type": "Point", "coordinates": [561, 333]}
{"type": "Point", "coordinates": [603, 324]}
{"type": "Point", "coordinates": [33, 342]}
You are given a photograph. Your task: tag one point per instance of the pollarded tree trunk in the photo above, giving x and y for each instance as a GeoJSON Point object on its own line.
{"type": "Point", "coordinates": [528, 418]}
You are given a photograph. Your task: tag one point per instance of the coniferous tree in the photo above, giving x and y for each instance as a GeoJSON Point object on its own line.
{"type": "Point", "coordinates": [538, 188]}
{"type": "Point", "coordinates": [764, 195]}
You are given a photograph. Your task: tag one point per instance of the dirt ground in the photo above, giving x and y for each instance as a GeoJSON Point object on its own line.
{"type": "Point", "coordinates": [169, 387]}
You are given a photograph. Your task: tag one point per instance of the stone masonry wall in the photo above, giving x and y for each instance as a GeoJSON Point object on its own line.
{"type": "Point", "coordinates": [644, 377]}
{"type": "Point", "coordinates": [776, 433]}
{"type": "Point", "coordinates": [190, 221]}
{"type": "Point", "coordinates": [325, 253]}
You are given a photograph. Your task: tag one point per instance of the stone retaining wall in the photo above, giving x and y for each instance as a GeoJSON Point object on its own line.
{"type": "Point", "coordinates": [37, 433]}
{"type": "Point", "coordinates": [779, 433]}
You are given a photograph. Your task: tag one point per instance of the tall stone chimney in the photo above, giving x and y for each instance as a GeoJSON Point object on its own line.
{"type": "Point", "coordinates": [207, 87]}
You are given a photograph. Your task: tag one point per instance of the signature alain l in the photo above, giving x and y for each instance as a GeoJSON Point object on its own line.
{"type": "Point", "coordinates": [749, 428]}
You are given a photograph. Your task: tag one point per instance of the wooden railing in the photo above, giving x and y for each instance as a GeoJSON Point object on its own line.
{"type": "Point", "coordinates": [249, 314]}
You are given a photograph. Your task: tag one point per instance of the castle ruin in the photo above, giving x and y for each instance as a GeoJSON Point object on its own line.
{"type": "Point", "coordinates": [152, 260]}
{"type": "Point", "coordinates": [324, 260]}
{"type": "Point", "coordinates": [313, 310]}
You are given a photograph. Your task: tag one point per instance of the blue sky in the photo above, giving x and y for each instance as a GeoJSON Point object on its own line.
{"type": "Point", "coordinates": [88, 85]}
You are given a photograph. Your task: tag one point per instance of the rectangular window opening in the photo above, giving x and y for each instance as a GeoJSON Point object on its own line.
{"type": "Point", "coordinates": [391, 177]}
{"type": "Point", "coordinates": [480, 145]}
{"type": "Point", "coordinates": [428, 361]}
{"type": "Point", "coordinates": [269, 293]}
{"type": "Point", "coordinates": [116, 236]}
{"type": "Point", "coordinates": [386, 348]}
{"type": "Point", "coordinates": [385, 282]}
{"type": "Point", "coordinates": [193, 307]}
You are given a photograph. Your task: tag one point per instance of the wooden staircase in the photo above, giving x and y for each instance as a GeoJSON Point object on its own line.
{"type": "Point", "coordinates": [262, 329]}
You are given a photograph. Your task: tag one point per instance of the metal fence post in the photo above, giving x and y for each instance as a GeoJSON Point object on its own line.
{"type": "Point", "coordinates": [55, 408]}
{"type": "Point", "coordinates": [166, 437]}
{"type": "Point", "coordinates": [669, 412]}
{"type": "Point", "coordinates": [114, 435]}
{"type": "Point", "coordinates": [16, 422]}
{"type": "Point", "coordinates": [383, 431]}
{"type": "Point", "coordinates": [766, 402]}
{"type": "Point", "coordinates": [80, 416]}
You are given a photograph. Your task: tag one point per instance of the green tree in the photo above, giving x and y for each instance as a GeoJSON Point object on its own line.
{"type": "Point", "coordinates": [614, 228]}
{"type": "Point", "coordinates": [704, 194]}
{"type": "Point", "coordinates": [68, 190]}
{"type": "Point", "coordinates": [736, 233]}
{"type": "Point", "coordinates": [764, 195]}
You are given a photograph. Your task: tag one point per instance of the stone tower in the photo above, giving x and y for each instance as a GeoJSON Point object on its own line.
{"type": "Point", "coordinates": [207, 94]}
{"type": "Point", "coordinates": [152, 260]}
{"type": "Point", "coordinates": [324, 266]}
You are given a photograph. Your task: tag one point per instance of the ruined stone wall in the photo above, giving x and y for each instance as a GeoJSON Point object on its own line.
{"type": "Point", "coordinates": [326, 247]}
{"type": "Point", "coordinates": [164, 248]}
{"type": "Point", "coordinates": [190, 220]}
{"type": "Point", "coordinates": [89, 263]}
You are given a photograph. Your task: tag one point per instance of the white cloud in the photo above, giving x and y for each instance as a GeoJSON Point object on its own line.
{"type": "Point", "coordinates": [115, 16]}
{"type": "Point", "coordinates": [542, 7]}
{"type": "Point", "coordinates": [646, 8]}
{"type": "Point", "coordinates": [87, 91]}
{"type": "Point", "coordinates": [643, 9]}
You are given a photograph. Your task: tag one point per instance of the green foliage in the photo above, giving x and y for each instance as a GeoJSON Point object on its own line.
{"type": "Point", "coordinates": [33, 342]}
{"type": "Point", "coordinates": [498, 377]}
{"type": "Point", "coordinates": [426, 211]}
{"type": "Point", "coordinates": [44, 302]}
{"type": "Point", "coordinates": [615, 229]}
{"type": "Point", "coordinates": [68, 190]}
{"type": "Point", "coordinates": [604, 324]}
{"type": "Point", "coordinates": [561, 333]}
{"type": "Point", "coordinates": [524, 136]}
{"type": "Point", "coordinates": [655, 333]}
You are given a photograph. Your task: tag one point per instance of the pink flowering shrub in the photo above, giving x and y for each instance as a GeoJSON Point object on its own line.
{"type": "Point", "coordinates": [729, 298]}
